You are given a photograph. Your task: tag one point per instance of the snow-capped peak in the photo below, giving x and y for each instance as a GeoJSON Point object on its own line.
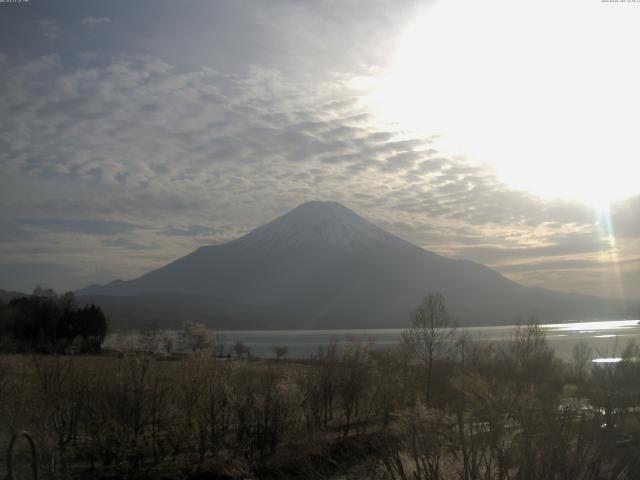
{"type": "Point", "coordinates": [318, 222]}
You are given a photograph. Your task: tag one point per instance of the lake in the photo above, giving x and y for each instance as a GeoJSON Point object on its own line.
{"type": "Point", "coordinates": [606, 338]}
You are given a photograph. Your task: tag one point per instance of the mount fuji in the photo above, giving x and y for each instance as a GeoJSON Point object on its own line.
{"type": "Point", "coordinates": [323, 266]}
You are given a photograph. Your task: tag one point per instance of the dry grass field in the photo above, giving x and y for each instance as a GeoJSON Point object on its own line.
{"type": "Point", "coordinates": [509, 411]}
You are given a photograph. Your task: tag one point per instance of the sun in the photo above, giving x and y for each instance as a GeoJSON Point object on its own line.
{"type": "Point", "coordinates": [545, 92]}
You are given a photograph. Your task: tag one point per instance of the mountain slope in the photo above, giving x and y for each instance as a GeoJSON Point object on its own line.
{"type": "Point", "coordinates": [6, 296]}
{"type": "Point", "coordinates": [323, 266]}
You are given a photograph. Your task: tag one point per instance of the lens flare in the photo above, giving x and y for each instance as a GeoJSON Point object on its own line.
{"type": "Point", "coordinates": [604, 222]}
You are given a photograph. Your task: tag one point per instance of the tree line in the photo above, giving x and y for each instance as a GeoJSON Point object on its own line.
{"type": "Point", "coordinates": [47, 322]}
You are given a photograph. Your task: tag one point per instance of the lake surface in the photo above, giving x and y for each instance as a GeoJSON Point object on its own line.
{"type": "Point", "coordinates": [606, 338]}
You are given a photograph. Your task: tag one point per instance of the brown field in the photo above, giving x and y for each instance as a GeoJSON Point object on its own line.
{"type": "Point", "coordinates": [507, 412]}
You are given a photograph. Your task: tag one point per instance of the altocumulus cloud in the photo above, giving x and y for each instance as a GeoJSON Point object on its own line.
{"type": "Point", "coordinates": [94, 21]}
{"type": "Point", "coordinates": [161, 159]}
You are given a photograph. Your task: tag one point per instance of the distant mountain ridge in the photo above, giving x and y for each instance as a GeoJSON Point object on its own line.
{"type": "Point", "coordinates": [6, 296]}
{"type": "Point", "coordinates": [323, 266]}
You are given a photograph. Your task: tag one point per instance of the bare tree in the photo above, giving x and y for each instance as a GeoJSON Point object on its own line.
{"type": "Point", "coordinates": [424, 449]}
{"type": "Point", "coordinates": [582, 354]}
{"type": "Point", "coordinates": [529, 361]}
{"type": "Point", "coordinates": [353, 380]}
{"type": "Point", "coordinates": [327, 360]}
{"type": "Point", "coordinates": [196, 336]}
{"type": "Point", "coordinates": [273, 411]}
{"type": "Point", "coordinates": [217, 378]}
{"type": "Point", "coordinates": [280, 351]}
{"type": "Point", "coordinates": [240, 349]}
{"type": "Point", "coordinates": [388, 384]}
{"type": "Point", "coordinates": [59, 406]}
{"type": "Point", "coordinates": [309, 386]}
{"type": "Point", "coordinates": [432, 334]}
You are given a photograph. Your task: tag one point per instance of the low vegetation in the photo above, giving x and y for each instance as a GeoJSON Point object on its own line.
{"type": "Point", "coordinates": [437, 406]}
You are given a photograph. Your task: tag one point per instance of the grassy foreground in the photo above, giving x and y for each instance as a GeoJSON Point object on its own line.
{"type": "Point", "coordinates": [507, 411]}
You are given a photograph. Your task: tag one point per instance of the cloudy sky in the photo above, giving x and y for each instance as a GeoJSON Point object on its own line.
{"type": "Point", "coordinates": [505, 132]}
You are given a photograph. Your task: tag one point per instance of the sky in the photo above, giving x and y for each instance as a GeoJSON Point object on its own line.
{"type": "Point", "coordinates": [503, 132]}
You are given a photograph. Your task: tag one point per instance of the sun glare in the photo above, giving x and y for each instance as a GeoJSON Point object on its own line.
{"type": "Point", "coordinates": [546, 92]}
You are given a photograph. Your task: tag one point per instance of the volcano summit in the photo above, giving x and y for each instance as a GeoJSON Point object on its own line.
{"type": "Point", "coordinates": [323, 266]}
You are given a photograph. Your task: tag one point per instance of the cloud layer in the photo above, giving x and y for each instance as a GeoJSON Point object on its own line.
{"type": "Point", "coordinates": [116, 164]}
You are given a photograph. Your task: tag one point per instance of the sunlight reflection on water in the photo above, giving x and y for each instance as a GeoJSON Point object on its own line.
{"type": "Point", "coordinates": [607, 360]}
{"type": "Point", "coordinates": [593, 326]}
{"type": "Point", "coordinates": [606, 338]}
